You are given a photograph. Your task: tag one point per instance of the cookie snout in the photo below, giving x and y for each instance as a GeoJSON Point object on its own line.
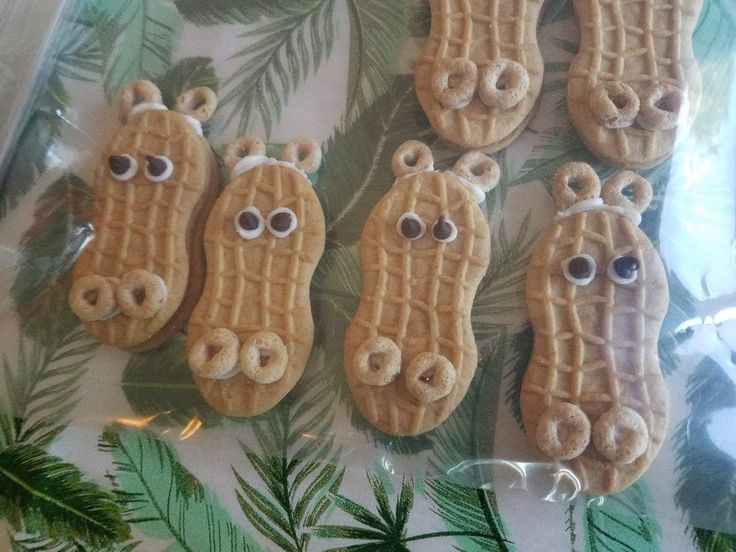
{"type": "Point", "coordinates": [215, 354]}
{"type": "Point", "coordinates": [614, 104]}
{"type": "Point", "coordinates": [92, 298]}
{"type": "Point", "coordinates": [620, 435]}
{"type": "Point", "coordinates": [563, 431]}
{"type": "Point", "coordinates": [140, 294]}
{"type": "Point", "coordinates": [264, 357]}
{"type": "Point", "coordinates": [430, 377]}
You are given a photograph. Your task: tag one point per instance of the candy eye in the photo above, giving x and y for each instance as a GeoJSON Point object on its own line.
{"type": "Point", "coordinates": [580, 269]}
{"type": "Point", "coordinates": [623, 269]}
{"type": "Point", "coordinates": [281, 222]}
{"type": "Point", "coordinates": [411, 226]}
{"type": "Point", "coordinates": [158, 168]}
{"type": "Point", "coordinates": [444, 230]}
{"type": "Point", "coordinates": [249, 223]}
{"type": "Point", "coordinates": [123, 167]}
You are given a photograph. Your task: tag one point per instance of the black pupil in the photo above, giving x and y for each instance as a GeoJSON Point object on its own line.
{"type": "Point", "coordinates": [281, 222]}
{"type": "Point", "coordinates": [248, 221]}
{"type": "Point", "coordinates": [156, 166]}
{"type": "Point", "coordinates": [442, 229]}
{"type": "Point", "coordinates": [579, 268]}
{"type": "Point", "coordinates": [410, 228]}
{"type": "Point", "coordinates": [119, 164]}
{"type": "Point", "coordinates": [626, 266]}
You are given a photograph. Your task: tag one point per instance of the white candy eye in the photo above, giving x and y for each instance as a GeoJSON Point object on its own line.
{"type": "Point", "coordinates": [623, 269]}
{"type": "Point", "coordinates": [249, 223]}
{"type": "Point", "coordinates": [579, 270]}
{"type": "Point", "coordinates": [158, 168]}
{"type": "Point", "coordinates": [444, 230]}
{"type": "Point", "coordinates": [281, 222]}
{"type": "Point", "coordinates": [123, 167]}
{"type": "Point", "coordinates": [410, 226]}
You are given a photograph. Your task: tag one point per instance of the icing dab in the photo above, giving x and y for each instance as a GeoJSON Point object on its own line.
{"type": "Point", "coordinates": [250, 162]}
{"type": "Point", "coordinates": [478, 194]}
{"type": "Point", "coordinates": [597, 203]}
{"type": "Point", "coordinates": [143, 107]}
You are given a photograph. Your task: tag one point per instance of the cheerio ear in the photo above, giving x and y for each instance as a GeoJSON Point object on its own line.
{"type": "Point", "coordinates": [410, 157]}
{"type": "Point", "coordinates": [304, 153]}
{"type": "Point", "coordinates": [613, 191]}
{"type": "Point", "coordinates": [199, 103]}
{"type": "Point", "coordinates": [574, 182]}
{"type": "Point", "coordinates": [479, 170]}
{"type": "Point", "coordinates": [137, 92]}
{"type": "Point", "coordinates": [241, 147]}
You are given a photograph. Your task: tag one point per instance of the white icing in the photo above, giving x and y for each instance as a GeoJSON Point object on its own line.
{"type": "Point", "coordinates": [597, 203]}
{"type": "Point", "coordinates": [579, 281]}
{"type": "Point", "coordinates": [453, 233]}
{"type": "Point", "coordinates": [478, 194]}
{"type": "Point", "coordinates": [413, 216]}
{"type": "Point", "coordinates": [250, 162]}
{"type": "Point", "coordinates": [130, 173]}
{"type": "Point", "coordinates": [250, 234]}
{"type": "Point", "coordinates": [143, 107]}
{"type": "Point", "coordinates": [164, 175]}
{"type": "Point", "coordinates": [616, 278]}
{"type": "Point", "coordinates": [292, 225]}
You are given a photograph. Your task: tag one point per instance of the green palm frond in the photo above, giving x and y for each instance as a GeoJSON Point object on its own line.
{"type": "Point", "coordinates": [280, 53]}
{"type": "Point", "coordinates": [624, 521]}
{"type": "Point", "coordinates": [297, 473]}
{"type": "Point", "coordinates": [164, 499]}
{"type": "Point", "coordinates": [159, 383]}
{"type": "Point", "coordinates": [357, 162]}
{"type": "Point", "coordinates": [707, 474]}
{"type": "Point", "coordinates": [421, 19]}
{"type": "Point", "coordinates": [556, 11]}
{"type": "Point", "coordinates": [713, 541]}
{"type": "Point", "coordinates": [214, 12]}
{"type": "Point", "coordinates": [47, 496]}
{"type": "Point", "coordinates": [48, 249]}
{"type": "Point", "coordinates": [521, 345]}
{"type": "Point", "coordinates": [378, 31]}
{"type": "Point", "coordinates": [136, 37]}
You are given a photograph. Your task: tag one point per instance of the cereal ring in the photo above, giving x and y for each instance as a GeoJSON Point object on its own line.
{"type": "Point", "coordinates": [661, 105]}
{"type": "Point", "coordinates": [571, 174]}
{"type": "Point", "coordinates": [241, 147]}
{"type": "Point", "coordinates": [377, 361]}
{"type": "Point", "coordinates": [199, 103]}
{"type": "Point", "coordinates": [503, 83]}
{"type": "Point", "coordinates": [563, 431]}
{"type": "Point", "coordinates": [614, 104]}
{"type": "Point", "coordinates": [621, 435]}
{"type": "Point", "coordinates": [454, 82]}
{"type": "Point", "coordinates": [478, 169]}
{"type": "Point", "coordinates": [264, 357]}
{"type": "Point", "coordinates": [215, 354]}
{"type": "Point", "coordinates": [304, 153]}
{"type": "Point", "coordinates": [411, 157]}
{"type": "Point", "coordinates": [613, 191]}
{"type": "Point", "coordinates": [92, 298]}
{"type": "Point", "coordinates": [137, 92]}
{"type": "Point", "coordinates": [430, 377]}
{"type": "Point", "coordinates": [140, 294]}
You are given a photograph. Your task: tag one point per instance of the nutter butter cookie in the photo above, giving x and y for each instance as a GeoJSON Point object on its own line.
{"type": "Point", "coordinates": [137, 280]}
{"type": "Point", "coordinates": [410, 353]}
{"type": "Point", "coordinates": [593, 396]}
{"type": "Point", "coordinates": [250, 335]}
{"type": "Point", "coordinates": [634, 87]}
{"type": "Point", "coordinates": [480, 71]}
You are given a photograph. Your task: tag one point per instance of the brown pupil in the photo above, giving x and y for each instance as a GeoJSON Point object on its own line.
{"type": "Point", "coordinates": [156, 166]}
{"type": "Point", "coordinates": [281, 222]}
{"type": "Point", "coordinates": [410, 228]}
{"type": "Point", "coordinates": [442, 229]}
{"type": "Point", "coordinates": [579, 268]}
{"type": "Point", "coordinates": [119, 164]}
{"type": "Point", "coordinates": [248, 221]}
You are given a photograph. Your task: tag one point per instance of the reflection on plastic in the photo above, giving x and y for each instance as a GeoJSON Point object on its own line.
{"type": "Point", "coordinates": [191, 427]}
{"type": "Point", "coordinates": [549, 482]}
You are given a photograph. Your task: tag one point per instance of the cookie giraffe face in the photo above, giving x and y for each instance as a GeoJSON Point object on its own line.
{"type": "Point", "coordinates": [250, 335]}
{"type": "Point", "coordinates": [134, 281]}
{"type": "Point", "coordinates": [593, 395]}
{"type": "Point", "coordinates": [409, 351]}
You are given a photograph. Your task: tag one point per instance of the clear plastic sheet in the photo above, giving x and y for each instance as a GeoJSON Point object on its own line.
{"type": "Point", "coordinates": [46, 201]}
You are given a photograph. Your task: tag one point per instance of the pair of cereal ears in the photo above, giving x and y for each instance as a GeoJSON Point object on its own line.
{"type": "Point", "coordinates": [576, 183]}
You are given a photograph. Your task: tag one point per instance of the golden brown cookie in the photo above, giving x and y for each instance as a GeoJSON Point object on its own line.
{"type": "Point", "coordinates": [409, 351]}
{"type": "Point", "coordinates": [634, 87]}
{"type": "Point", "coordinates": [480, 72]}
{"type": "Point", "coordinates": [593, 395]}
{"type": "Point", "coordinates": [136, 282]}
{"type": "Point", "coordinates": [250, 335]}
